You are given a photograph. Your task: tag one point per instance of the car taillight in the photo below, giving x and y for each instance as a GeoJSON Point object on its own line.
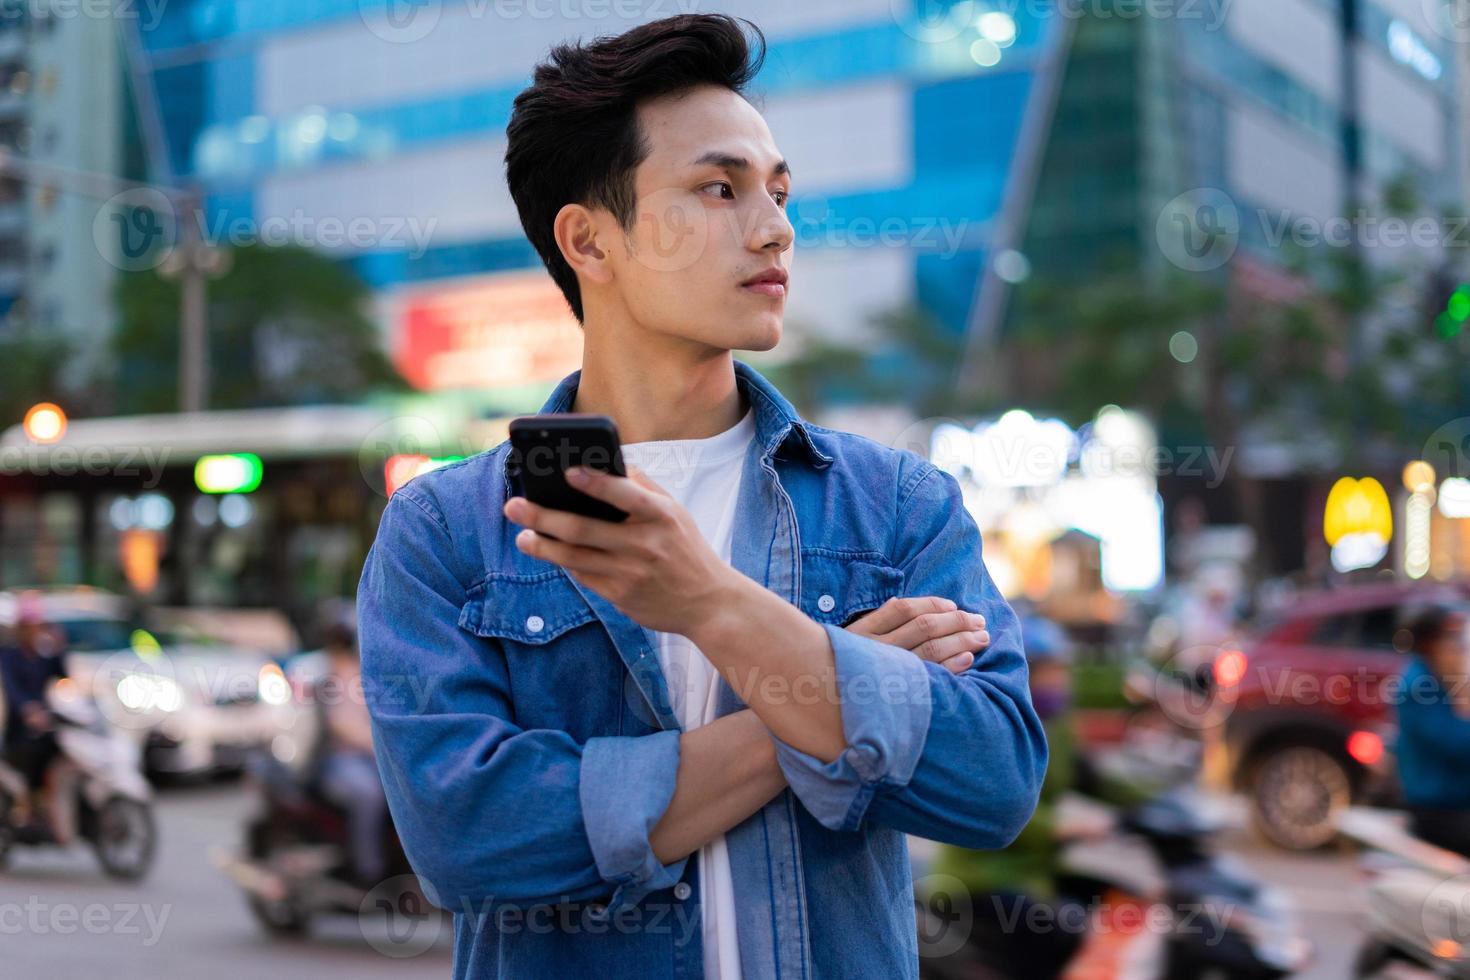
{"type": "Point", "coordinates": [1229, 668]}
{"type": "Point", "coordinates": [1366, 747]}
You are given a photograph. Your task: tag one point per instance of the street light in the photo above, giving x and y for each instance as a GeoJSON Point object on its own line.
{"type": "Point", "coordinates": [45, 423]}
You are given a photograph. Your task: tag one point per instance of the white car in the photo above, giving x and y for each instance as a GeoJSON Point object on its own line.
{"type": "Point", "coordinates": [196, 705]}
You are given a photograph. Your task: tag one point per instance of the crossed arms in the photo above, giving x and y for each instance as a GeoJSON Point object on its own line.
{"type": "Point", "coordinates": [906, 728]}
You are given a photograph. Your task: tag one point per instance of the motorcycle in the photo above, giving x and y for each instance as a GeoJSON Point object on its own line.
{"type": "Point", "coordinates": [100, 783]}
{"type": "Point", "coordinates": [295, 863]}
{"type": "Point", "coordinates": [1144, 899]}
{"type": "Point", "coordinates": [1418, 901]}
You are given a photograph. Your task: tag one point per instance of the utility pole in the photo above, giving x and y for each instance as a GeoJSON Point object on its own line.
{"type": "Point", "coordinates": [193, 262]}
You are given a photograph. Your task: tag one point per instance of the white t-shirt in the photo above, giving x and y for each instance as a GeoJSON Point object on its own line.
{"type": "Point", "coordinates": [704, 476]}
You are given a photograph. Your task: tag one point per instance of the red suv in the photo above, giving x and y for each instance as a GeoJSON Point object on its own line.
{"type": "Point", "coordinates": [1312, 720]}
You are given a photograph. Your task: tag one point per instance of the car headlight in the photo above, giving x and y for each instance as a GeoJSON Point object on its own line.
{"type": "Point", "coordinates": [274, 689]}
{"type": "Point", "coordinates": [146, 692]}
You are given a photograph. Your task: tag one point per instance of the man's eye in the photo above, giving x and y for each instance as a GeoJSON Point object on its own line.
{"type": "Point", "coordinates": [721, 184]}
{"type": "Point", "coordinates": [782, 197]}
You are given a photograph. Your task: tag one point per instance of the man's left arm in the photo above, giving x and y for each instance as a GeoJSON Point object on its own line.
{"type": "Point", "coordinates": [861, 727]}
{"type": "Point", "coordinates": [957, 758]}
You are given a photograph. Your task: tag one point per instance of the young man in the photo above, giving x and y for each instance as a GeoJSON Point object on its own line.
{"type": "Point", "coordinates": [689, 745]}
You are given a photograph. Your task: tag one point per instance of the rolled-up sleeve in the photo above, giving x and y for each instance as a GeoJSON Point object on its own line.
{"type": "Point", "coordinates": [953, 758]}
{"type": "Point", "coordinates": [490, 813]}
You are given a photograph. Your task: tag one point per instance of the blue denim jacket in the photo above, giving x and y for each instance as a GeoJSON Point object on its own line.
{"type": "Point", "coordinates": [527, 743]}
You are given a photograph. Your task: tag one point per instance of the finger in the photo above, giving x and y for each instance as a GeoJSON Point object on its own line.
{"type": "Point", "coordinates": [589, 532]}
{"type": "Point", "coordinates": [942, 648]}
{"type": "Point", "coordinates": [932, 625]}
{"type": "Point", "coordinates": [569, 556]}
{"type": "Point", "coordinates": [624, 494]}
{"type": "Point", "coordinates": [960, 663]}
{"type": "Point", "coordinates": [900, 610]}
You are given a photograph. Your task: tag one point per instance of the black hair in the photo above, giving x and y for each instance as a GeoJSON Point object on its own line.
{"type": "Point", "coordinates": [1428, 625]}
{"type": "Point", "coordinates": [340, 636]}
{"type": "Point", "coordinates": [573, 136]}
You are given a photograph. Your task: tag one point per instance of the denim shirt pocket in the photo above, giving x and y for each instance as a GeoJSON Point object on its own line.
{"type": "Point", "coordinates": [839, 586]}
{"type": "Point", "coordinates": [563, 668]}
{"type": "Point", "coordinates": [530, 609]}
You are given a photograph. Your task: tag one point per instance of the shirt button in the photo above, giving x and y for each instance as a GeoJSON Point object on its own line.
{"type": "Point", "coordinates": [826, 603]}
{"type": "Point", "coordinates": [682, 890]}
{"type": "Point", "coordinates": [534, 623]}
{"type": "Point", "coordinates": [597, 911]}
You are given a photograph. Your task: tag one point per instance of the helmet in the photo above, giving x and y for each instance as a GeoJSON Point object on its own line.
{"type": "Point", "coordinates": [1045, 641]}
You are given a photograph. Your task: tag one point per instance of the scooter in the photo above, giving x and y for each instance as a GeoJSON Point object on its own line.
{"type": "Point", "coordinates": [100, 783]}
{"type": "Point", "coordinates": [1147, 900]}
{"type": "Point", "coordinates": [1418, 901]}
{"type": "Point", "coordinates": [295, 864]}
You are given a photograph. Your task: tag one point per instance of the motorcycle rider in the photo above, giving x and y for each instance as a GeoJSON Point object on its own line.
{"type": "Point", "coordinates": [1434, 729]}
{"type": "Point", "coordinates": [27, 666]}
{"type": "Point", "coordinates": [1009, 888]}
{"type": "Point", "coordinates": [349, 772]}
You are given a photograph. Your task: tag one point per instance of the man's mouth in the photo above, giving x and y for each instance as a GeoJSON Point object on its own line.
{"type": "Point", "coordinates": [772, 282]}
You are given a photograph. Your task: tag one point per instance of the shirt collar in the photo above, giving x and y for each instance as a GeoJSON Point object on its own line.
{"type": "Point", "coordinates": [777, 424]}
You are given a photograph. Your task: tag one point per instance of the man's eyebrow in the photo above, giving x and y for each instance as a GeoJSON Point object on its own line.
{"type": "Point", "coordinates": [731, 162]}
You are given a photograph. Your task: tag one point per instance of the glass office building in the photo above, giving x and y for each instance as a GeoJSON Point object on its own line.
{"type": "Point", "coordinates": [1300, 109]}
{"type": "Point", "coordinates": [309, 118]}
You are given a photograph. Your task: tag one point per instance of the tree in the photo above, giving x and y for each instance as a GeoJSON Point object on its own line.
{"type": "Point", "coordinates": [31, 365]}
{"type": "Point", "coordinates": [287, 326]}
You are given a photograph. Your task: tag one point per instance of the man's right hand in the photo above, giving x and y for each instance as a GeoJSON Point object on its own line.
{"type": "Point", "coordinates": [930, 626]}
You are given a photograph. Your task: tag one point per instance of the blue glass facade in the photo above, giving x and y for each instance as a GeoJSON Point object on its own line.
{"type": "Point", "coordinates": [964, 123]}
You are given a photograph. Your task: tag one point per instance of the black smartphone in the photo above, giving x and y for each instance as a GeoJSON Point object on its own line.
{"type": "Point", "coordinates": [542, 447]}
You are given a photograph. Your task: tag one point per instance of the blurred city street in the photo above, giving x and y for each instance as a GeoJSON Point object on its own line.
{"type": "Point", "coordinates": [1109, 357]}
{"type": "Point", "coordinates": [198, 919]}
{"type": "Point", "coordinates": [187, 919]}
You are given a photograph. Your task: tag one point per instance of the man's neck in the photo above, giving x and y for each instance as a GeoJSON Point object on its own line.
{"type": "Point", "coordinates": [659, 390]}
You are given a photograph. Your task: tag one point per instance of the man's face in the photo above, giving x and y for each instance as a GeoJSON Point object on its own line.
{"type": "Point", "coordinates": [711, 215]}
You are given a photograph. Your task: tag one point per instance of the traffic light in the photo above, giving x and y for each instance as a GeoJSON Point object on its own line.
{"type": "Point", "coordinates": [1450, 320]}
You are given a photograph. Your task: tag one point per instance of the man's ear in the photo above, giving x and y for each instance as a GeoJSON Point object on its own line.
{"type": "Point", "coordinates": [577, 229]}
